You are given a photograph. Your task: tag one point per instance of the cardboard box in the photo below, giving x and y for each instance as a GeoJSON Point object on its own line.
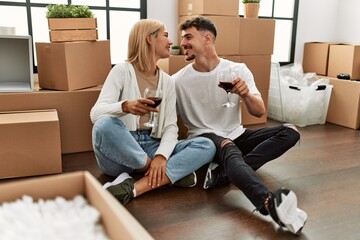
{"type": "Point", "coordinates": [316, 57]}
{"type": "Point", "coordinates": [248, 36]}
{"type": "Point", "coordinates": [344, 59]}
{"type": "Point", "coordinates": [247, 118]}
{"type": "Point", "coordinates": [226, 26]}
{"type": "Point", "coordinates": [344, 106]}
{"type": "Point", "coordinates": [72, 29]}
{"type": "Point", "coordinates": [16, 64]}
{"type": "Point", "coordinates": [259, 65]}
{"type": "Point", "coordinates": [73, 108]}
{"type": "Point", "coordinates": [73, 65]}
{"type": "Point", "coordinates": [29, 143]}
{"type": "Point", "coordinates": [172, 64]}
{"type": "Point", "coordinates": [208, 7]}
{"type": "Point", "coordinates": [116, 220]}
{"type": "Point", "coordinates": [256, 36]}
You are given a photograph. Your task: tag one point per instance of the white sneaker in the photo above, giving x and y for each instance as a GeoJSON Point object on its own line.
{"type": "Point", "coordinates": [283, 209]}
{"type": "Point", "coordinates": [117, 180]}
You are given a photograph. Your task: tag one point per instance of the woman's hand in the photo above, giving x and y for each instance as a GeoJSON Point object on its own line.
{"type": "Point", "coordinates": [138, 106]}
{"type": "Point", "coordinates": [156, 171]}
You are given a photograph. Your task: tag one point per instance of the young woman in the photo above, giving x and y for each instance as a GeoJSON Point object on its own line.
{"type": "Point", "coordinates": [122, 143]}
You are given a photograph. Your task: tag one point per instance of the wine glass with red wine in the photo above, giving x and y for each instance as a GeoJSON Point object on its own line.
{"type": "Point", "coordinates": [225, 78]}
{"type": "Point", "coordinates": [156, 96]}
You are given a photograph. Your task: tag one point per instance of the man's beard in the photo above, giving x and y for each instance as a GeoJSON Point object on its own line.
{"type": "Point", "coordinates": [189, 58]}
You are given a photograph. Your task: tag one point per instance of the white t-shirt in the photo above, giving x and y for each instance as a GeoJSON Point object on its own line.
{"type": "Point", "coordinates": [199, 100]}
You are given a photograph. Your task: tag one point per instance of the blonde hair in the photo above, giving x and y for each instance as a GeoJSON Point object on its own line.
{"type": "Point", "coordinates": [140, 51]}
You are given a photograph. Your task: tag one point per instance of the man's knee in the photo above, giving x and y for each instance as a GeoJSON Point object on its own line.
{"type": "Point", "coordinates": [292, 126]}
{"type": "Point", "coordinates": [296, 135]}
{"type": "Point", "coordinates": [225, 142]}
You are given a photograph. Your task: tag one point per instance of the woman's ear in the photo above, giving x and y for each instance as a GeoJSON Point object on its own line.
{"type": "Point", "coordinates": [149, 39]}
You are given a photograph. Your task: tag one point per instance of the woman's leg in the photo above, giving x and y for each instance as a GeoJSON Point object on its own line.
{"type": "Point", "coordinates": [188, 156]}
{"type": "Point", "coordinates": [116, 150]}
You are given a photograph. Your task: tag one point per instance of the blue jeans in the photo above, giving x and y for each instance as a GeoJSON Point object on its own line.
{"type": "Point", "coordinates": [247, 153]}
{"type": "Point", "coordinates": [119, 150]}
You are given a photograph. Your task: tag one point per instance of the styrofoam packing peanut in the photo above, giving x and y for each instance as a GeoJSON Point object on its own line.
{"type": "Point", "coordinates": [55, 219]}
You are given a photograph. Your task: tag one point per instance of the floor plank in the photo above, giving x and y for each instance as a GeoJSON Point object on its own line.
{"type": "Point", "coordinates": [323, 170]}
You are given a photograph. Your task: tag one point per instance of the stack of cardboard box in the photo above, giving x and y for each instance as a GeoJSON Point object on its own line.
{"type": "Point", "coordinates": [69, 77]}
{"type": "Point", "coordinates": [248, 41]}
{"type": "Point", "coordinates": [330, 59]}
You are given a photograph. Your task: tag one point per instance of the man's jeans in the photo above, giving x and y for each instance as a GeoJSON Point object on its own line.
{"type": "Point", "coordinates": [118, 150]}
{"type": "Point", "coordinates": [247, 153]}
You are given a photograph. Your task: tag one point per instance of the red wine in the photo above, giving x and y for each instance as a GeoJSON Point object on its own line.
{"type": "Point", "coordinates": [157, 101]}
{"type": "Point", "coordinates": [227, 86]}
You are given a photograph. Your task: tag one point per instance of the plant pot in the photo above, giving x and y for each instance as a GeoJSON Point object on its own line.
{"type": "Point", "coordinates": [174, 51]}
{"type": "Point", "coordinates": [251, 10]}
{"type": "Point", "coordinates": [72, 29]}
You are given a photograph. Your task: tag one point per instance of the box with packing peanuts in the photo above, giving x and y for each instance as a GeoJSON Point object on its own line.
{"type": "Point", "coordinates": [71, 66]}
{"type": "Point", "coordinates": [344, 58]}
{"type": "Point", "coordinates": [316, 57]}
{"type": "Point", "coordinates": [344, 106]}
{"type": "Point", "coordinates": [29, 143]}
{"type": "Point", "coordinates": [73, 108]}
{"type": "Point", "coordinates": [116, 220]}
{"type": "Point", "coordinates": [208, 7]}
{"type": "Point", "coordinates": [259, 65]}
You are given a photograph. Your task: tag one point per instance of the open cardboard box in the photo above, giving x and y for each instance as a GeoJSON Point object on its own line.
{"type": "Point", "coordinates": [117, 221]}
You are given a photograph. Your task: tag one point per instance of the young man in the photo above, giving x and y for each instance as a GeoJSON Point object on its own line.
{"type": "Point", "coordinates": [240, 152]}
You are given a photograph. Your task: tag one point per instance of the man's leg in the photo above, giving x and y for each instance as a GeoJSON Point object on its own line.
{"type": "Point", "coordinates": [263, 145]}
{"type": "Point", "coordinates": [238, 172]}
{"type": "Point", "coordinates": [282, 206]}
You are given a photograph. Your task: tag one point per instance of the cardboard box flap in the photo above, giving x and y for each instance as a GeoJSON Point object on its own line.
{"type": "Point", "coordinates": [14, 117]}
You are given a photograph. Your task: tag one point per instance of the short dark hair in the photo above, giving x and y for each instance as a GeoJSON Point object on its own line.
{"type": "Point", "coordinates": [200, 23]}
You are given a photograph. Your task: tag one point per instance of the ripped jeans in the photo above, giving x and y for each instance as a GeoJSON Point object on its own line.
{"type": "Point", "coordinates": [247, 153]}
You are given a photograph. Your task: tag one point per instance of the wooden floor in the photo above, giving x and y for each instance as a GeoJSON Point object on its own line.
{"type": "Point", "coordinates": [323, 170]}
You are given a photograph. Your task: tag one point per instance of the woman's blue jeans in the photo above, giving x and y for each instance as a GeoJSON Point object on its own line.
{"type": "Point", "coordinates": [119, 150]}
{"type": "Point", "coordinates": [247, 153]}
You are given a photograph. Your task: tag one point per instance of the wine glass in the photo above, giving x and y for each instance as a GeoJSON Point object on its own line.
{"type": "Point", "coordinates": [156, 96]}
{"type": "Point", "coordinates": [225, 78]}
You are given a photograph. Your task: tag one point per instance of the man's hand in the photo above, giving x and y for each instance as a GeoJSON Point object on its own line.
{"type": "Point", "coordinates": [156, 171]}
{"type": "Point", "coordinates": [240, 87]}
{"type": "Point", "coordinates": [138, 106]}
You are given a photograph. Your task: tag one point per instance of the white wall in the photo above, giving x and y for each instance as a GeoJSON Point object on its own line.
{"type": "Point", "coordinates": [348, 21]}
{"type": "Point", "coordinates": [318, 20]}
{"type": "Point", "coordinates": [167, 12]}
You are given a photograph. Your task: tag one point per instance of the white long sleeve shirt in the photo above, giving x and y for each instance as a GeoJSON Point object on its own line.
{"type": "Point", "coordinates": [121, 85]}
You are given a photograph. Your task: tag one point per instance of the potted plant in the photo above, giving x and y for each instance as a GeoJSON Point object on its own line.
{"type": "Point", "coordinates": [175, 50]}
{"type": "Point", "coordinates": [251, 8]}
{"type": "Point", "coordinates": [71, 23]}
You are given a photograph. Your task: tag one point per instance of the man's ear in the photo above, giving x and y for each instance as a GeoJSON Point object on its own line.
{"type": "Point", "coordinates": [208, 38]}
